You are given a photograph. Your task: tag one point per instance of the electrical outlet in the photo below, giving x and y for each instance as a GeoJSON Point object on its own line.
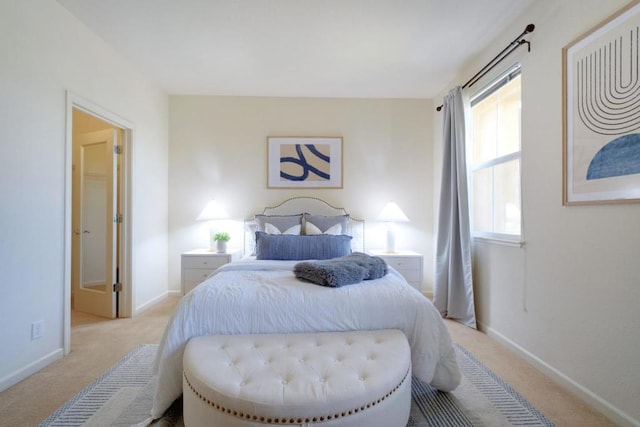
{"type": "Point", "coordinates": [37, 330]}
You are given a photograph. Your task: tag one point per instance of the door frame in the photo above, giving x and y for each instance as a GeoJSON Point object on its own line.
{"type": "Point", "coordinates": [125, 303]}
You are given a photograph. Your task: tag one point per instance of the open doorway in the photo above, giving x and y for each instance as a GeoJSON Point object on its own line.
{"type": "Point", "coordinates": [97, 226]}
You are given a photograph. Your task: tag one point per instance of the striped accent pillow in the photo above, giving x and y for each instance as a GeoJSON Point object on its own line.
{"type": "Point", "coordinates": [296, 248]}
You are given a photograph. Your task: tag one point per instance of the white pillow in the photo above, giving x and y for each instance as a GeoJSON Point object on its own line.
{"type": "Point", "coordinates": [272, 229]}
{"type": "Point", "coordinates": [312, 229]}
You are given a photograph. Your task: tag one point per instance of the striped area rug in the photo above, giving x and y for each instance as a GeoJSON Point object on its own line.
{"type": "Point", "coordinates": [123, 396]}
{"type": "Point", "coordinates": [481, 399]}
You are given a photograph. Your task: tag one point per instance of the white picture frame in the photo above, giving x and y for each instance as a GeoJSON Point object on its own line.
{"type": "Point", "coordinates": [601, 118]}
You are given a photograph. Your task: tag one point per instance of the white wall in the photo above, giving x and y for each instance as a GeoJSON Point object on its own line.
{"type": "Point", "coordinates": [45, 51]}
{"type": "Point", "coordinates": [218, 150]}
{"type": "Point", "coordinates": [568, 299]}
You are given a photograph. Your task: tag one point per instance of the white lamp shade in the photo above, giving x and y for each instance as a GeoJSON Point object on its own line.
{"type": "Point", "coordinates": [213, 210]}
{"type": "Point", "coordinates": [392, 213]}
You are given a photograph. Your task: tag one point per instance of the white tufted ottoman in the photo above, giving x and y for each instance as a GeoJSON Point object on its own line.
{"type": "Point", "coordinates": [355, 379]}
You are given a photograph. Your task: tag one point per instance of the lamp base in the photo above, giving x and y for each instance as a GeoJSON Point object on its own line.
{"type": "Point", "coordinates": [391, 238]}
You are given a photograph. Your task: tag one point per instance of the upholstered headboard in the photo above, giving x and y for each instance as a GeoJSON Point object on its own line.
{"type": "Point", "coordinates": [309, 205]}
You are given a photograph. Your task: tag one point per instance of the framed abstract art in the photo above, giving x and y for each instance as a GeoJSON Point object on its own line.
{"type": "Point", "coordinates": [304, 162]}
{"type": "Point", "coordinates": [601, 112]}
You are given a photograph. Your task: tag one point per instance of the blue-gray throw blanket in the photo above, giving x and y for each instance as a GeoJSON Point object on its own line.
{"type": "Point", "coordinates": [346, 270]}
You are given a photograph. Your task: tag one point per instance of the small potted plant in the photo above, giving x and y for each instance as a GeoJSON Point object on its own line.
{"type": "Point", "coordinates": [221, 238]}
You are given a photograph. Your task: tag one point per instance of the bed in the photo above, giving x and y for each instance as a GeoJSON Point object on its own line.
{"type": "Point", "coordinates": [261, 295]}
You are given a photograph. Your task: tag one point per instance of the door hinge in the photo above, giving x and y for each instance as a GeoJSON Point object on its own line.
{"type": "Point", "coordinates": [117, 149]}
{"type": "Point", "coordinates": [117, 218]}
{"type": "Point", "coordinates": [117, 287]}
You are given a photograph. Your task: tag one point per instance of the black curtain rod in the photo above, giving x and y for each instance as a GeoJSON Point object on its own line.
{"type": "Point", "coordinates": [516, 43]}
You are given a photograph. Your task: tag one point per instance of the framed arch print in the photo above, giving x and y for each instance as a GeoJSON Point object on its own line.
{"type": "Point", "coordinates": [304, 162]}
{"type": "Point", "coordinates": [601, 112]}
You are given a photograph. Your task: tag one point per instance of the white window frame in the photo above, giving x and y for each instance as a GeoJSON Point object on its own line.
{"type": "Point", "coordinates": [495, 85]}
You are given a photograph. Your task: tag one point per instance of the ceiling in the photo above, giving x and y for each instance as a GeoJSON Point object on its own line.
{"type": "Point", "coordinates": [299, 48]}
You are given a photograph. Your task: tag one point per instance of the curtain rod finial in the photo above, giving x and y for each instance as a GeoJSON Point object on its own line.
{"type": "Point", "coordinates": [530, 28]}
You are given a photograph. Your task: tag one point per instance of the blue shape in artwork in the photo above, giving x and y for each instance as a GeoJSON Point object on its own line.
{"type": "Point", "coordinates": [305, 167]}
{"type": "Point", "coordinates": [618, 157]}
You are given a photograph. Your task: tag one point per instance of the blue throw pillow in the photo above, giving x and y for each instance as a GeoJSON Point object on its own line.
{"type": "Point", "coordinates": [324, 222]}
{"type": "Point", "coordinates": [281, 222]}
{"type": "Point", "coordinates": [296, 248]}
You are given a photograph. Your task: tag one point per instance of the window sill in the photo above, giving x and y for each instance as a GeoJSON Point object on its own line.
{"type": "Point", "coordinates": [500, 240]}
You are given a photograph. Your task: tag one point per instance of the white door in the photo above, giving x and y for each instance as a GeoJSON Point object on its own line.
{"type": "Point", "coordinates": [95, 230]}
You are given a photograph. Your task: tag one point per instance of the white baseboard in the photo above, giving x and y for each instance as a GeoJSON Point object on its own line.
{"type": "Point", "coordinates": [19, 375]}
{"type": "Point", "coordinates": [151, 303]}
{"type": "Point", "coordinates": [616, 415]}
{"type": "Point", "coordinates": [147, 305]}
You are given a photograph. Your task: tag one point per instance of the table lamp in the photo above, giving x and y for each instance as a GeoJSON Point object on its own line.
{"type": "Point", "coordinates": [391, 214]}
{"type": "Point", "coordinates": [213, 212]}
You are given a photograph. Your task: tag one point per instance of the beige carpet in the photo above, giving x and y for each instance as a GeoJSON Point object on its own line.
{"type": "Point", "coordinates": [97, 344]}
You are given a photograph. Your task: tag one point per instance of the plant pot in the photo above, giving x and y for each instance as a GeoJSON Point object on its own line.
{"type": "Point", "coordinates": [221, 246]}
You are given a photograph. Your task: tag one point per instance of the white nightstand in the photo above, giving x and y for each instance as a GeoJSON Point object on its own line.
{"type": "Point", "coordinates": [199, 263]}
{"type": "Point", "coordinates": [408, 263]}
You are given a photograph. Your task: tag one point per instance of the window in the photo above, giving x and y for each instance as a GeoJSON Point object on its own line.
{"type": "Point", "coordinates": [493, 159]}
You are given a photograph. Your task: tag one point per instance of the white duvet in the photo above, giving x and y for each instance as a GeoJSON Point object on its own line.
{"type": "Point", "coordinates": [259, 297]}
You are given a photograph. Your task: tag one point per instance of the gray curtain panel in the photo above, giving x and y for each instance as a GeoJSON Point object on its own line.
{"type": "Point", "coordinates": [453, 290]}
